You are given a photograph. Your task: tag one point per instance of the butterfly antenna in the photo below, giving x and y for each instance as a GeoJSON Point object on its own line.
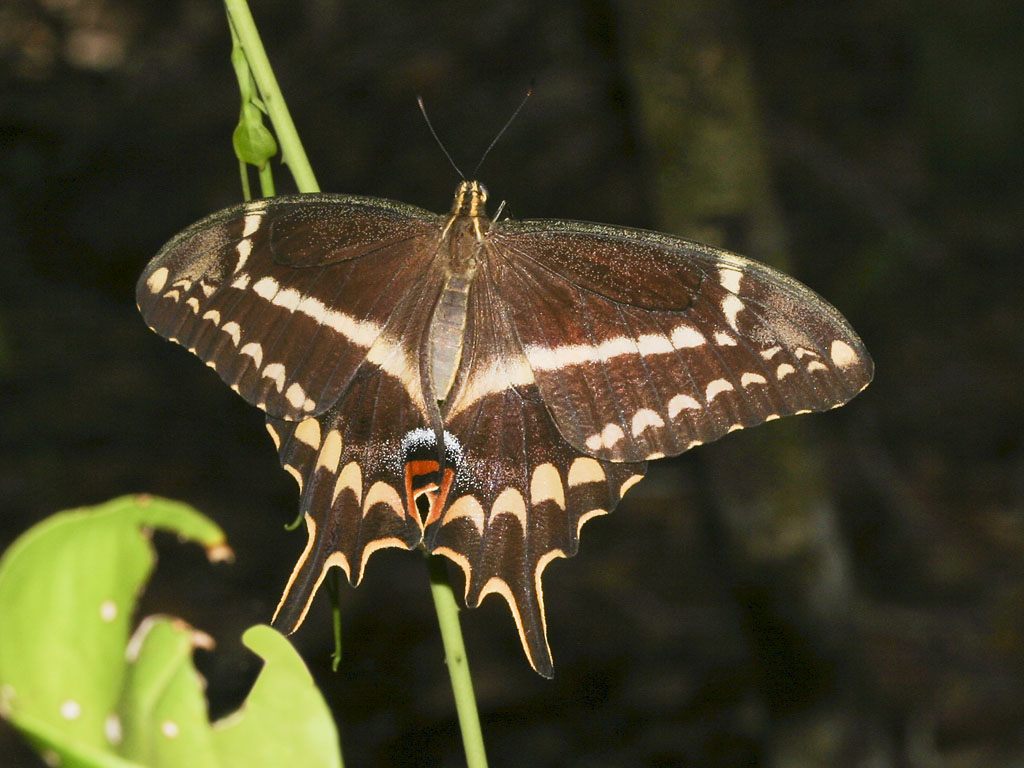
{"type": "Point", "coordinates": [522, 104]}
{"type": "Point", "coordinates": [423, 109]}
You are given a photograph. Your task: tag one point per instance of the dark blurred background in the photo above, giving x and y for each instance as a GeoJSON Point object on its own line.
{"type": "Point", "coordinates": [838, 590]}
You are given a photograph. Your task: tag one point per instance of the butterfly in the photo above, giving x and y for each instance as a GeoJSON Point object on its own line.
{"type": "Point", "coordinates": [480, 387]}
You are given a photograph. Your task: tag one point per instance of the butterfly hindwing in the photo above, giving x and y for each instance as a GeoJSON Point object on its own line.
{"type": "Point", "coordinates": [349, 461]}
{"type": "Point", "coordinates": [520, 494]}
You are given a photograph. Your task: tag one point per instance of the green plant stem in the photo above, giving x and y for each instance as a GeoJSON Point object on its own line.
{"type": "Point", "coordinates": [458, 665]}
{"type": "Point", "coordinates": [288, 138]}
{"type": "Point", "coordinates": [244, 27]}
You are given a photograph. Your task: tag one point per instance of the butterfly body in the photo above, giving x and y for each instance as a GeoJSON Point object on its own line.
{"type": "Point", "coordinates": [517, 375]}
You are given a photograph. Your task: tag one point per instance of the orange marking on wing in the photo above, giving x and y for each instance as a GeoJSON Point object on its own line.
{"type": "Point", "coordinates": [438, 500]}
{"type": "Point", "coordinates": [415, 469]}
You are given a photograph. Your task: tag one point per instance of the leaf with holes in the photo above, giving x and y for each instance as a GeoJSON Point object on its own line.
{"type": "Point", "coordinates": [85, 694]}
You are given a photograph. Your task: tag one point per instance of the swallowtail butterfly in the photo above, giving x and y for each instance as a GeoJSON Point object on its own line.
{"type": "Point", "coordinates": [516, 375]}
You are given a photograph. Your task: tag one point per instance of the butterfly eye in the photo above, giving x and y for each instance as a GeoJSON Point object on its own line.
{"type": "Point", "coordinates": [483, 193]}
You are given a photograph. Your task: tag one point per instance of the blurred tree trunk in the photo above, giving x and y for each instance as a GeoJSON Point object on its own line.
{"type": "Point", "coordinates": [770, 506]}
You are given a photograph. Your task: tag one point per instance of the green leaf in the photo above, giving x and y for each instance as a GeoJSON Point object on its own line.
{"type": "Point", "coordinates": [285, 720]}
{"type": "Point", "coordinates": [87, 695]}
{"type": "Point", "coordinates": [67, 590]}
{"type": "Point", "coordinates": [162, 712]}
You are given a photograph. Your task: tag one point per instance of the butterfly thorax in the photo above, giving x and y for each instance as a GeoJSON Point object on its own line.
{"type": "Point", "coordinates": [462, 240]}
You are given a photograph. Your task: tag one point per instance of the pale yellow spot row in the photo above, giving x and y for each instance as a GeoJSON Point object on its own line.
{"type": "Point", "coordinates": [717, 387]}
{"type": "Point", "coordinates": [723, 339]}
{"type": "Point", "coordinates": [252, 223]}
{"type": "Point", "coordinates": [156, 281]}
{"type": "Point", "coordinates": [586, 517]}
{"type": "Point", "coordinates": [295, 474]}
{"type": "Point", "coordinates": [466, 507]}
{"type": "Point", "coordinates": [254, 350]}
{"type": "Point", "coordinates": [296, 397]}
{"type": "Point", "coordinates": [382, 493]}
{"type": "Point", "coordinates": [585, 470]}
{"type": "Point", "coordinates": [274, 436]}
{"type": "Point", "coordinates": [607, 438]}
{"type": "Point", "coordinates": [511, 502]}
{"type": "Point", "coordinates": [842, 353]}
{"type": "Point", "coordinates": [330, 455]}
{"type": "Point", "coordinates": [684, 336]}
{"type": "Point", "coordinates": [546, 485]}
{"type": "Point", "coordinates": [308, 433]}
{"type": "Point", "coordinates": [244, 248]}
{"type": "Point", "coordinates": [730, 279]}
{"type": "Point", "coordinates": [732, 306]}
{"type": "Point", "coordinates": [233, 330]}
{"type": "Point", "coordinates": [276, 373]}
{"type": "Point", "coordinates": [644, 419]}
{"type": "Point", "coordinates": [629, 484]}
{"type": "Point", "coordinates": [351, 478]}
{"type": "Point", "coordinates": [682, 403]}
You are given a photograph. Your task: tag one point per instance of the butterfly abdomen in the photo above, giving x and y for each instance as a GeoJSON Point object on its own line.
{"type": "Point", "coordinates": [446, 332]}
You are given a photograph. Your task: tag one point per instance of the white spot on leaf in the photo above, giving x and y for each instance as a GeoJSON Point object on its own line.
{"type": "Point", "coordinates": [108, 610]}
{"type": "Point", "coordinates": [112, 729]}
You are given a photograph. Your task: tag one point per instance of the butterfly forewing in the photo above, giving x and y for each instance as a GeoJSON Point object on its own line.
{"type": "Point", "coordinates": [288, 339]}
{"type": "Point", "coordinates": [732, 343]}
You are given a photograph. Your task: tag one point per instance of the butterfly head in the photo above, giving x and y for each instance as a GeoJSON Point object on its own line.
{"type": "Point", "coordinates": [470, 200]}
